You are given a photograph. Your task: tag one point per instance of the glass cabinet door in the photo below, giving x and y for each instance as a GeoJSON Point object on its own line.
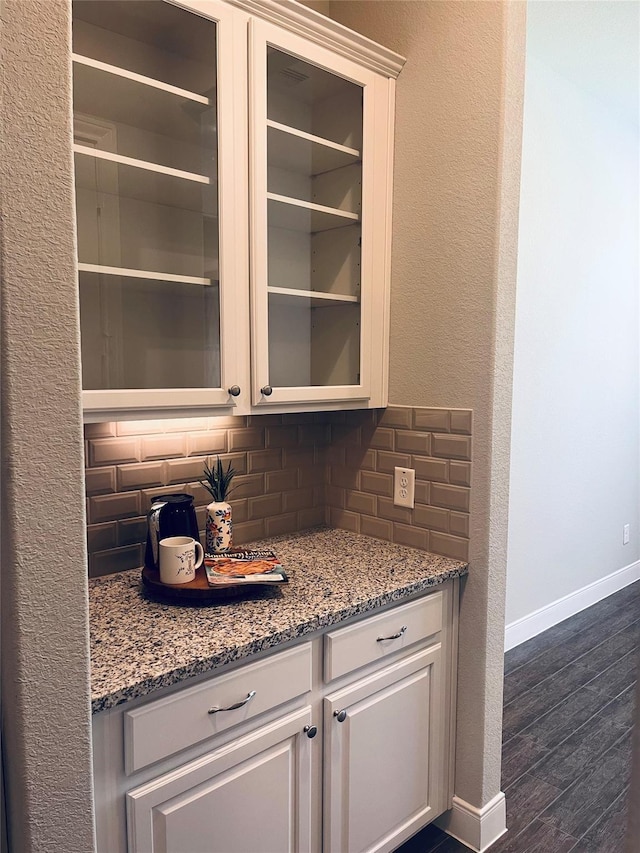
{"type": "Point", "coordinates": [146, 148]}
{"type": "Point", "coordinates": [308, 173]}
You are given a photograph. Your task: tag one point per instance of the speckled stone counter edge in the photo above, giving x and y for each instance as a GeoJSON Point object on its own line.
{"type": "Point", "coordinates": [437, 570]}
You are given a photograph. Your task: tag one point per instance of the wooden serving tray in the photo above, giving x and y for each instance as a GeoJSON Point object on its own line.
{"type": "Point", "coordinates": [198, 591]}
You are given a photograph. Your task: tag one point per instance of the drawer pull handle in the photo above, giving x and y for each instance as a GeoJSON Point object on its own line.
{"type": "Point", "coordinates": [393, 636]}
{"type": "Point", "coordinates": [311, 731]}
{"type": "Point", "coordinates": [340, 716]}
{"type": "Point", "coordinates": [235, 707]}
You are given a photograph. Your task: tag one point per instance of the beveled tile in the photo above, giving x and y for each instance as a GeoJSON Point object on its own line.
{"type": "Point", "coordinates": [344, 519]}
{"type": "Point", "coordinates": [312, 517]}
{"type": "Point", "coordinates": [363, 502]}
{"type": "Point", "coordinates": [376, 527]}
{"type": "Point", "coordinates": [281, 436]}
{"type": "Point", "coordinates": [184, 470]}
{"type": "Point", "coordinates": [279, 481]}
{"type": "Point", "coordinates": [205, 443]}
{"type": "Point", "coordinates": [450, 497]}
{"type": "Point", "coordinates": [459, 523]}
{"type": "Point", "coordinates": [431, 419]}
{"type": "Point", "coordinates": [251, 438]}
{"type": "Point", "coordinates": [162, 446]}
{"type": "Point", "coordinates": [413, 442]}
{"type": "Point", "coordinates": [379, 484]}
{"type": "Point", "coordinates": [433, 517]}
{"type": "Point", "coordinates": [277, 524]}
{"type": "Point", "coordinates": [451, 446]}
{"type": "Point", "coordinates": [387, 462]}
{"type": "Point", "coordinates": [297, 499]}
{"type": "Point", "coordinates": [428, 468]}
{"type": "Point", "coordinates": [461, 421]}
{"type": "Point", "coordinates": [387, 509]}
{"type": "Point", "coordinates": [99, 481]}
{"type": "Point", "coordinates": [263, 460]}
{"type": "Point", "coordinates": [397, 416]}
{"type": "Point", "coordinates": [264, 505]}
{"type": "Point", "coordinates": [405, 534]}
{"type": "Point", "coordinates": [449, 546]}
{"type": "Point", "coordinates": [459, 473]}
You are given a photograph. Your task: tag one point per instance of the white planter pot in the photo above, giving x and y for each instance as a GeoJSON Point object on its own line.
{"type": "Point", "coordinates": [219, 527]}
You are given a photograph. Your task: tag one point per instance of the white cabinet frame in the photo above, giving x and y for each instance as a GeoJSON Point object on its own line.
{"type": "Point", "coordinates": [231, 26]}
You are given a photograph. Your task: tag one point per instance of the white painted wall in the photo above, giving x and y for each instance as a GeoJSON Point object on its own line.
{"type": "Point", "coordinates": [575, 440]}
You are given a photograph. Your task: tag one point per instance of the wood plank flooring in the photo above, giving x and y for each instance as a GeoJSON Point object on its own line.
{"type": "Point", "coordinates": [568, 714]}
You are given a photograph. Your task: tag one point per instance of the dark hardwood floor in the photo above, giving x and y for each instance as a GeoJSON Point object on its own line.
{"type": "Point", "coordinates": [568, 715]}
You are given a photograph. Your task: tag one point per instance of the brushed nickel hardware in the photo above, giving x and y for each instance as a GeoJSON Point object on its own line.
{"type": "Point", "coordinates": [215, 708]}
{"type": "Point", "coordinates": [340, 716]}
{"type": "Point", "coordinates": [235, 390]}
{"type": "Point", "coordinates": [393, 636]}
{"type": "Point", "coordinates": [311, 731]}
{"type": "Point", "coordinates": [267, 390]}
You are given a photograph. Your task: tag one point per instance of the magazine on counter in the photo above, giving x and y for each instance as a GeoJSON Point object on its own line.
{"type": "Point", "coordinates": [237, 567]}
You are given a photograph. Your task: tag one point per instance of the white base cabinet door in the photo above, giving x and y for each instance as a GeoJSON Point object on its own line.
{"type": "Point", "coordinates": [251, 795]}
{"type": "Point", "coordinates": [384, 756]}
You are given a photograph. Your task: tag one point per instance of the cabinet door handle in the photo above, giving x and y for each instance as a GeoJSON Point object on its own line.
{"type": "Point", "coordinates": [267, 390]}
{"type": "Point", "coordinates": [235, 390]}
{"type": "Point", "coordinates": [340, 716]}
{"type": "Point", "coordinates": [215, 708]}
{"type": "Point", "coordinates": [310, 731]}
{"type": "Point", "coordinates": [393, 636]}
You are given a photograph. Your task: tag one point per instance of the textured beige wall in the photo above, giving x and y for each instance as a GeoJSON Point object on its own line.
{"type": "Point", "coordinates": [458, 126]}
{"type": "Point", "coordinates": [45, 666]}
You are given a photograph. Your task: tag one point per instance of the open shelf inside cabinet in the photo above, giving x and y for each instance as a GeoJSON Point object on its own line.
{"type": "Point", "coordinates": [143, 118]}
{"type": "Point", "coordinates": [297, 215]}
{"type": "Point", "coordinates": [298, 151]}
{"type": "Point", "coordinates": [313, 343]}
{"type": "Point", "coordinates": [148, 37]}
{"type": "Point", "coordinates": [314, 298]}
{"type": "Point", "coordinates": [142, 220]}
{"type": "Point", "coordinates": [148, 333]}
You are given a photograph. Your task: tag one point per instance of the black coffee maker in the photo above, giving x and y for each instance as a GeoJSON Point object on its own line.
{"type": "Point", "coordinates": [170, 515]}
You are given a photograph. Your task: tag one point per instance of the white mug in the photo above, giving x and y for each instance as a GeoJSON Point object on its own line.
{"type": "Point", "coordinates": [178, 562]}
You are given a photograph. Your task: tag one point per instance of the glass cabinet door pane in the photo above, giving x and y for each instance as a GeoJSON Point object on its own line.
{"type": "Point", "coordinates": [145, 143]}
{"type": "Point", "coordinates": [314, 199]}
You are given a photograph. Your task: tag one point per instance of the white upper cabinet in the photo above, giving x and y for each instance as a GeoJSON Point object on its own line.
{"type": "Point", "coordinates": [233, 188]}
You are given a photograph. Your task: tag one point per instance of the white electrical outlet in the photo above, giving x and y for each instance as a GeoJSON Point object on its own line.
{"type": "Point", "coordinates": [626, 532]}
{"type": "Point", "coordinates": [404, 487]}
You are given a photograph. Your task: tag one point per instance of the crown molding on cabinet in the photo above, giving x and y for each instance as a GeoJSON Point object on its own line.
{"type": "Point", "coordinates": [304, 21]}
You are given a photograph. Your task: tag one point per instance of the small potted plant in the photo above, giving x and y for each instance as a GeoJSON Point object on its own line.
{"type": "Point", "coordinates": [219, 527]}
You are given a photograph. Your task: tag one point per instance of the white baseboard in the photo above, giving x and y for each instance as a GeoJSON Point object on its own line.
{"type": "Point", "coordinates": [476, 828]}
{"type": "Point", "coordinates": [546, 617]}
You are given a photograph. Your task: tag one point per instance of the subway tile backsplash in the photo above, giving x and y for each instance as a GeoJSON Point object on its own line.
{"type": "Point", "coordinates": [294, 471]}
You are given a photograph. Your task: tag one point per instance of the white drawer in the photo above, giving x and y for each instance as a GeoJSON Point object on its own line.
{"type": "Point", "coordinates": [374, 638]}
{"type": "Point", "coordinates": [163, 727]}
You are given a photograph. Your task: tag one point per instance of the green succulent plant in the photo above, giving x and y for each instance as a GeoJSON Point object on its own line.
{"type": "Point", "coordinates": [217, 480]}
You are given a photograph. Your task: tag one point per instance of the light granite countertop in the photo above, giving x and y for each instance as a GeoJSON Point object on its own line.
{"type": "Point", "coordinates": [139, 645]}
